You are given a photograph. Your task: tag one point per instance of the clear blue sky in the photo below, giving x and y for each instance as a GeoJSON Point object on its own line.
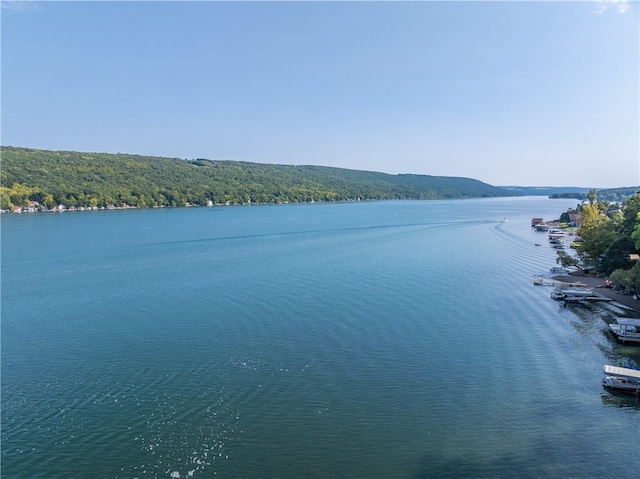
{"type": "Point", "coordinates": [509, 93]}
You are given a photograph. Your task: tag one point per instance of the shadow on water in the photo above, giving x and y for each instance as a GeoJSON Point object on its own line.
{"type": "Point", "coordinates": [543, 459]}
{"type": "Point", "coordinates": [542, 456]}
{"type": "Point", "coordinates": [505, 466]}
{"type": "Point", "coordinates": [620, 400]}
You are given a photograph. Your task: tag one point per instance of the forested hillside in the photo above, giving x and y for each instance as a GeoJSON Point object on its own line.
{"type": "Point", "coordinates": [76, 179]}
{"type": "Point", "coordinates": [578, 193]}
{"type": "Point", "coordinates": [611, 195]}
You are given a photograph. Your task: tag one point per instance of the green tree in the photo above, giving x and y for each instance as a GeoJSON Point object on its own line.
{"type": "Point", "coordinates": [5, 199]}
{"type": "Point", "coordinates": [566, 260]}
{"type": "Point", "coordinates": [635, 233]}
{"type": "Point", "coordinates": [626, 220]}
{"type": "Point", "coordinates": [629, 278]}
{"type": "Point", "coordinates": [597, 233]}
{"type": "Point", "coordinates": [631, 215]}
{"type": "Point", "coordinates": [617, 254]}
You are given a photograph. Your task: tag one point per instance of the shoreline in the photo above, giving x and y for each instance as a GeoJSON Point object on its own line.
{"type": "Point", "coordinates": [594, 284]}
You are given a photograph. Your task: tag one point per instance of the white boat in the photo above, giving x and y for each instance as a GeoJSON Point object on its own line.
{"type": "Point", "coordinates": [626, 330]}
{"type": "Point", "coordinates": [621, 379]}
{"type": "Point", "coordinates": [555, 234]}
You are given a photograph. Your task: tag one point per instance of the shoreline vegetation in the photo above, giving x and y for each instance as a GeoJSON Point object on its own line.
{"type": "Point", "coordinates": [66, 180]}
{"type": "Point", "coordinates": [33, 180]}
{"type": "Point", "coordinates": [606, 248]}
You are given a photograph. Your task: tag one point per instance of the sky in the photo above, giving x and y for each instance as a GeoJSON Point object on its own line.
{"type": "Point", "coordinates": [538, 93]}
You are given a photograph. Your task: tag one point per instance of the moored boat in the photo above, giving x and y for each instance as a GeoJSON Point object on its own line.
{"type": "Point", "coordinates": [555, 235]}
{"type": "Point", "coordinates": [626, 329]}
{"type": "Point", "coordinates": [621, 379]}
{"type": "Point", "coordinates": [631, 364]}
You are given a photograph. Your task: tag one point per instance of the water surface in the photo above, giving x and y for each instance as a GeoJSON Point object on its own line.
{"type": "Point", "coordinates": [399, 339]}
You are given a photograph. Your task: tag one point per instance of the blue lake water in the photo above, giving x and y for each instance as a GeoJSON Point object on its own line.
{"type": "Point", "coordinates": [396, 339]}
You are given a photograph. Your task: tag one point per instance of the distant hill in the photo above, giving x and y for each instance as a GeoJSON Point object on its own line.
{"type": "Point", "coordinates": [77, 179]}
{"type": "Point", "coordinates": [613, 195]}
{"type": "Point", "coordinates": [607, 194]}
{"type": "Point", "coordinates": [545, 190]}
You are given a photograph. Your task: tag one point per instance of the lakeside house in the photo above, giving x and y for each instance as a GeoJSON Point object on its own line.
{"type": "Point", "coordinates": [575, 220]}
{"type": "Point", "coordinates": [536, 221]}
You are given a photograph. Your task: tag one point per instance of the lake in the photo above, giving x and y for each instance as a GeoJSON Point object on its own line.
{"type": "Point", "coordinates": [393, 339]}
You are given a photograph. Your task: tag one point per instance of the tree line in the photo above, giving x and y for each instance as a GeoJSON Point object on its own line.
{"type": "Point", "coordinates": [77, 179]}
{"type": "Point", "coordinates": [609, 237]}
{"type": "Point", "coordinates": [612, 195]}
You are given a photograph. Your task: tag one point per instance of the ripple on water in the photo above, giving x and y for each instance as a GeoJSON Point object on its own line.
{"type": "Point", "coordinates": [403, 339]}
